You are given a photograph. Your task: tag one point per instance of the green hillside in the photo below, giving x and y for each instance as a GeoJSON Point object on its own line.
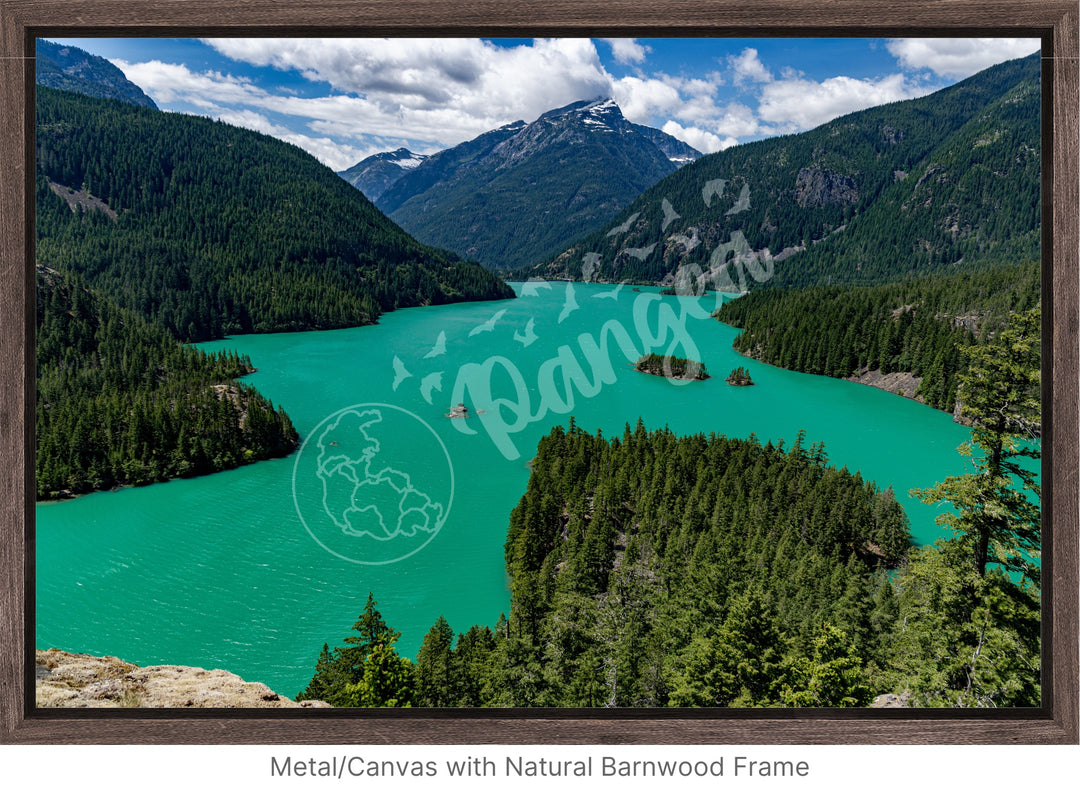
{"type": "Point", "coordinates": [210, 230]}
{"type": "Point", "coordinates": [916, 326]}
{"type": "Point", "coordinates": [121, 402]}
{"type": "Point", "coordinates": [932, 185]}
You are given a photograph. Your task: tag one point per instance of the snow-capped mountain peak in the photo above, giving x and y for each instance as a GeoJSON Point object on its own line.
{"type": "Point", "coordinates": [376, 173]}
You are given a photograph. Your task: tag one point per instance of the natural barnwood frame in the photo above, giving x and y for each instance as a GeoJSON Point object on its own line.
{"type": "Point", "coordinates": [1054, 21]}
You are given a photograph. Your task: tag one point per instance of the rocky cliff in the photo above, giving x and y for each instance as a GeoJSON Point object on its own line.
{"type": "Point", "coordinates": [65, 679]}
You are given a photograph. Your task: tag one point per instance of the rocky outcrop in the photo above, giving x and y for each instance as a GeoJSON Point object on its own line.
{"type": "Point", "coordinates": [903, 383]}
{"type": "Point", "coordinates": [816, 188]}
{"type": "Point", "coordinates": [82, 199]}
{"type": "Point", "coordinates": [892, 700]}
{"type": "Point", "coordinates": [65, 679]}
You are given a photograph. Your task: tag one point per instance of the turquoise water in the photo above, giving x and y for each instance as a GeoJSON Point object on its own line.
{"type": "Point", "coordinates": [239, 571]}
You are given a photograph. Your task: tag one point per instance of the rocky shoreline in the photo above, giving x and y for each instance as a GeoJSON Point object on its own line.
{"type": "Point", "coordinates": [905, 384]}
{"type": "Point", "coordinates": [66, 679]}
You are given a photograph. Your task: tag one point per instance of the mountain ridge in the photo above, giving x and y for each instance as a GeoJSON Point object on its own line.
{"type": "Point", "coordinates": [223, 230]}
{"type": "Point", "coordinates": [520, 192]}
{"type": "Point", "coordinates": [807, 203]}
{"type": "Point", "coordinates": [377, 173]}
{"type": "Point", "coordinates": [73, 69]}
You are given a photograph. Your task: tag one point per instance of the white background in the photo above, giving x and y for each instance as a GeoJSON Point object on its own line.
{"type": "Point", "coordinates": [835, 771]}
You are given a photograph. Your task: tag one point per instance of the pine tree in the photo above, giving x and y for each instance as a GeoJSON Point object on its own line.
{"type": "Point", "coordinates": [971, 605]}
{"type": "Point", "coordinates": [995, 514]}
{"type": "Point", "coordinates": [435, 672]}
{"type": "Point", "coordinates": [832, 678]}
{"type": "Point", "coordinates": [368, 672]}
{"type": "Point", "coordinates": [387, 679]}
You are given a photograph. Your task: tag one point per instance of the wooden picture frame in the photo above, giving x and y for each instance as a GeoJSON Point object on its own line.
{"type": "Point", "coordinates": [1054, 21]}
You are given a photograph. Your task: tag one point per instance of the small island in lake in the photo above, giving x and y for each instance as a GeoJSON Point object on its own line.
{"type": "Point", "coordinates": [670, 366]}
{"type": "Point", "coordinates": [740, 376]}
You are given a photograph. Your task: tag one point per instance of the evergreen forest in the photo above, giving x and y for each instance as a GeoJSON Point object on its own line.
{"type": "Point", "coordinates": [121, 402]}
{"type": "Point", "coordinates": [918, 326]}
{"type": "Point", "coordinates": [211, 230]}
{"type": "Point", "coordinates": [156, 229]}
{"type": "Point", "coordinates": [652, 570]}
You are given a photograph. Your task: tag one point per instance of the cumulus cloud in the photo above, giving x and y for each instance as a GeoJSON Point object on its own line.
{"type": "Point", "coordinates": [482, 85]}
{"type": "Point", "coordinates": [334, 155]}
{"type": "Point", "coordinates": [239, 102]}
{"type": "Point", "coordinates": [748, 67]}
{"type": "Point", "coordinates": [958, 58]}
{"type": "Point", "coordinates": [168, 83]}
{"type": "Point", "coordinates": [428, 94]}
{"type": "Point", "coordinates": [643, 98]}
{"type": "Point", "coordinates": [448, 91]}
{"type": "Point", "coordinates": [738, 120]}
{"type": "Point", "coordinates": [795, 103]}
{"type": "Point", "coordinates": [703, 140]}
{"type": "Point", "coordinates": [628, 51]}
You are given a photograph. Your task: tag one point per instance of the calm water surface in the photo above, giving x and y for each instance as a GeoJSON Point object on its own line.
{"type": "Point", "coordinates": [221, 572]}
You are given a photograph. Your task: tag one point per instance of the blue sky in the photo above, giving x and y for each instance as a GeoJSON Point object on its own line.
{"type": "Point", "coordinates": [345, 99]}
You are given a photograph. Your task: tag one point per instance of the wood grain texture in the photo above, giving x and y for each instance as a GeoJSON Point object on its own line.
{"type": "Point", "coordinates": [539, 17]}
{"type": "Point", "coordinates": [1054, 20]}
{"type": "Point", "coordinates": [16, 375]}
{"type": "Point", "coordinates": [1061, 253]}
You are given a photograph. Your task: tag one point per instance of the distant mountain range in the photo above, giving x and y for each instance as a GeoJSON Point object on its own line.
{"type": "Point", "coordinates": [75, 70]}
{"type": "Point", "coordinates": [926, 186]}
{"type": "Point", "coordinates": [375, 174]}
{"type": "Point", "coordinates": [515, 195]}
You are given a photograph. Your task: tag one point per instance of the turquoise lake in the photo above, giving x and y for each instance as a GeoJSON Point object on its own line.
{"type": "Point", "coordinates": [251, 570]}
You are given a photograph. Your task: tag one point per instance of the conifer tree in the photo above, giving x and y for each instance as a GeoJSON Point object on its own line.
{"type": "Point", "coordinates": [971, 604]}
{"type": "Point", "coordinates": [435, 672]}
{"type": "Point", "coordinates": [996, 515]}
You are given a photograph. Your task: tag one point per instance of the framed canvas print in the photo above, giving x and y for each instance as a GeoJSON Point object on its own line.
{"type": "Point", "coordinates": [632, 374]}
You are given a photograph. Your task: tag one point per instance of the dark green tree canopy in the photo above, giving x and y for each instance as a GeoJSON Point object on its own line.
{"type": "Point", "coordinates": [210, 229]}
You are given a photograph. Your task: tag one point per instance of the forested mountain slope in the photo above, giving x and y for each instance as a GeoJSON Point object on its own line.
{"type": "Point", "coordinates": [121, 402]}
{"type": "Point", "coordinates": [74, 70]}
{"type": "Point", "coordinates": [209, 229]}
{"type": "Point", "coordinates": [932, 185]}
{"type": "Point", "coordinates": [916, 326]}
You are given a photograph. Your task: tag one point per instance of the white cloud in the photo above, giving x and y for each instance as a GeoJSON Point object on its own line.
{"type": "Point", "coordinates": [699, 139]}
{"type": "Point", "coordinates": [958, 58]}
{"type": "Point", "coordinates": [643, 98]}
{"type": "Point", "coordinates": [628, 51]}
{"type": "Point", "coordinates": [168, 83]}
{"type": "Point", "coordinates": [748, 67]}
{"type": "Point", "coordinates": [462, 87]}
{"type": "Point", "coordinates": [448, 91]}
{"type": "Point", "coordinates": [737, 120]}
{"type": "Point", "coordinates": [233, 100]}
{"type": "Point", "coordinates": [334, 155]}
{"type": "Point", "coordinates": [798, 104]}
{"type": "Point", "coordinates": [428, 94]}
